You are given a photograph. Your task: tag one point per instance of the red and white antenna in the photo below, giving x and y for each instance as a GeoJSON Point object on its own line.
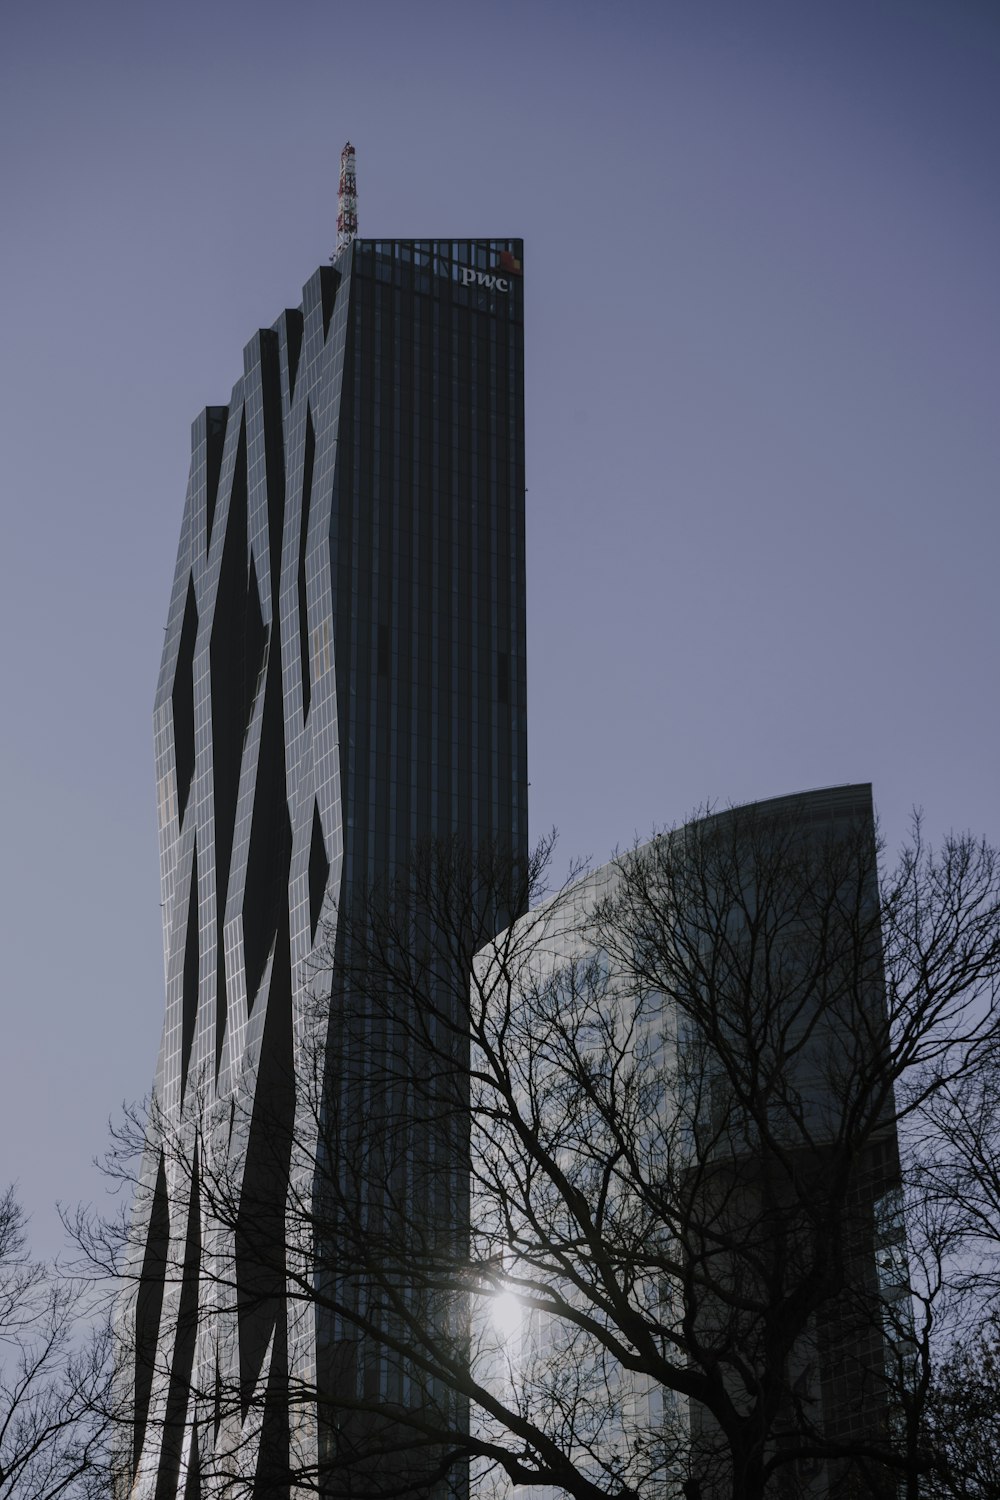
{"type": "Point", "coordinates": [347, 200]}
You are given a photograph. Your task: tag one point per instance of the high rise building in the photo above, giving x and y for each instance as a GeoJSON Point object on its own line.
{"type": "Point", "coordinates": [699, 1036]}
{"type": "Point", "coordinates": [343, 676]}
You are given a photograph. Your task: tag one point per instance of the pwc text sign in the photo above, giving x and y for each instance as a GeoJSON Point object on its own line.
{"type": "Point", "coordinates": [469, 277]}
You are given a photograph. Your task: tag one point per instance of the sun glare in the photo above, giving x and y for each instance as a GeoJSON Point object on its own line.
{"type": "Point", "coordinates": [506, 1312]}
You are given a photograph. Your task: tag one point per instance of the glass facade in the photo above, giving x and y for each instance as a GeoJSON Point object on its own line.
{"type": "Point", "coordinates": [343, 676]}
{"type": "Point", "coordinates": [761, 925]}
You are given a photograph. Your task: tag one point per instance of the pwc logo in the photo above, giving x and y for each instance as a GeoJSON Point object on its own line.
{"type": "Point", "coordinates": [469, 277]}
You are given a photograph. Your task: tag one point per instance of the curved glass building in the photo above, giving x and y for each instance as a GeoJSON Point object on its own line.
{"type": "Point", "coordinates": [693, 1185]}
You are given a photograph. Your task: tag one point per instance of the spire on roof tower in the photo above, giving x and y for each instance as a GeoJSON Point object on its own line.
{"type": "Point", "coordinates": [347, 201]}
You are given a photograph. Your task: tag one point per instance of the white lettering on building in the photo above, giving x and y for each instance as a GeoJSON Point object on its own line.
{"type": "Point", "coordinates": [483, 278]}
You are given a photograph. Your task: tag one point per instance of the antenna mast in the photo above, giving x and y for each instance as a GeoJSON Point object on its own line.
{"type": "Point", "coordinates": [347, 201]}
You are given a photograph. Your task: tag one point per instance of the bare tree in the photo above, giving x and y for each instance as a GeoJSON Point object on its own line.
{"type": "Point", "coordinates": [963, 1419]}
{"type": "Point", "coordinates": [610, 1203]}
{"type": "Point", "coordinates": [684, 1112]}
{"type": "Point", "coordinates": [54, 1372]}
{"type": "Point", "coordinates": [950, 1401]}
{"type": "Point", "coordinates": [957, 1167]}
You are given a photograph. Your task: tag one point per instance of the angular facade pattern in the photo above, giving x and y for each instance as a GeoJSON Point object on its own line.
{"type": "Point", "coordinates": [343, 676]}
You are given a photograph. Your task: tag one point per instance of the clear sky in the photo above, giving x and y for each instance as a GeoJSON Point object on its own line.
{"type": "Point", "coordinates": [762, 241]}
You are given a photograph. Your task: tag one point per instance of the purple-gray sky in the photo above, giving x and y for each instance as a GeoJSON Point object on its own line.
{"type": "Point", "coordinates": [763, 324]}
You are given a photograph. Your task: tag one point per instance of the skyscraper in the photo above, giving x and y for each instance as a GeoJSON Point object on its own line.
{"type": "Point", "coordinates": [343, 676]}
{"type": "Point", "coordinates": [711, 1237]}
